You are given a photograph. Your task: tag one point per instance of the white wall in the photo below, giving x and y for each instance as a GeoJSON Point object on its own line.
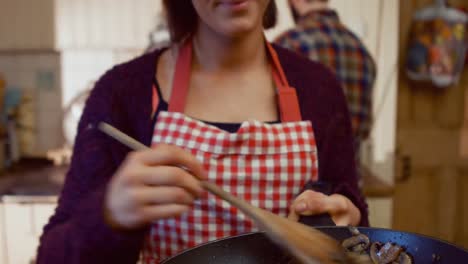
{"type": "Point", "coordinates": [97, 24]}
{"type": "Point", "coordinates": [80, 68]}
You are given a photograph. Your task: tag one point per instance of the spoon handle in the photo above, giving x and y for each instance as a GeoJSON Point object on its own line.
{"type": "Point", "coordinates": [121, 137]}
{"type": "Point", "coordinates": [242, 205]}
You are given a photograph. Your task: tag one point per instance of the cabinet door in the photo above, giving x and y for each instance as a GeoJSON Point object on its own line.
{"type": "Point", "coordinates": [42, 213]}
{"type": "Point", "coordinates": [3, 256]}
{"type": "Point", "coordinates": [19, 233]}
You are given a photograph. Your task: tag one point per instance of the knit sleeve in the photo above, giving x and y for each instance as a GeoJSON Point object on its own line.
{"type": "Point", "coordinates": [336, 154]}
{"type": "Point", "coordinates": [77, 232]}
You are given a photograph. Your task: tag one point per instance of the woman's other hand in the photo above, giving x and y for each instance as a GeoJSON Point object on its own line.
{"type": "Point", "coordinates": [153, 184]}
{"type": "Point", "coordinates": [342, 211]}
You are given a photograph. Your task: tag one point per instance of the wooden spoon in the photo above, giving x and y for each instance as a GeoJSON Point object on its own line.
{"type": "Point", "coordinates": [306, 244]}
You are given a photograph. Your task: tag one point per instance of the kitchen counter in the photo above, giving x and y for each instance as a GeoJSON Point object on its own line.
{"type": "Point", "coordinates": [374, 187]}
{"type": "Point", "coordinates": [32, 181]}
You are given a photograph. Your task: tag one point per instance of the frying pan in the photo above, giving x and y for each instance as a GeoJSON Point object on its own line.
{"type": "Point", "coordinates": [256, 248]}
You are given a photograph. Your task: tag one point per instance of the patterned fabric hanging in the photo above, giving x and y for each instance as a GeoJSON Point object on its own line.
{"type": "Point", "coordinates": [437, 45]}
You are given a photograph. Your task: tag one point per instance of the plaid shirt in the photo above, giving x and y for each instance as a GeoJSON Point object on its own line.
{"type": "Point", "coordinates": [320, 36]}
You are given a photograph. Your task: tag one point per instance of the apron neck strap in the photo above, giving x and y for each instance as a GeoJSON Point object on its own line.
{"type": "Point", "coordinates": [181, 79]}
{"type": "Point", "coordinates": [287, 97]}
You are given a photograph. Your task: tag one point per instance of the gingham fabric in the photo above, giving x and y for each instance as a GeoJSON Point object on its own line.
{"type": "Point", "coordinates": [321, 37]}
{"type": "Point", "coordinates": [264, 164]}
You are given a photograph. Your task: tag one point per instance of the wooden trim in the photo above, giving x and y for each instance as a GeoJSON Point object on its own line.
{"type": "Point", "coordinates": [464, 132]}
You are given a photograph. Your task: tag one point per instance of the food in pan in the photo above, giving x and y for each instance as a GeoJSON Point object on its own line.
{"type": "Point", "coordinates": [378, 252]}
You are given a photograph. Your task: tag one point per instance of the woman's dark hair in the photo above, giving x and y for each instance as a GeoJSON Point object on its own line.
{"type": "Point", "coordinates": [295, 14]}
{"type": "Point", "coordinates": [182, 18]}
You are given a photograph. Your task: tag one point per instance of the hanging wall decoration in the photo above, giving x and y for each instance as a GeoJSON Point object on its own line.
{"type": "Point", "coordinates": [437, 45]}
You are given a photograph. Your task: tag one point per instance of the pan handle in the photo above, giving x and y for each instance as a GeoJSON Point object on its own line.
{"type": "Point", "coordinates": [322, 219]}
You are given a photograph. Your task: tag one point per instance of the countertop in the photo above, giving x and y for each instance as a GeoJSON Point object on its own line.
{"type": "Point", "coordinates": [374, 187]}
{"type": "Point", "coordinates": [32, 181]}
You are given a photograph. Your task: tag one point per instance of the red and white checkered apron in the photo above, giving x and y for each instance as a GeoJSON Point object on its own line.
{"type": "Point", "coordinates": [264, 164]}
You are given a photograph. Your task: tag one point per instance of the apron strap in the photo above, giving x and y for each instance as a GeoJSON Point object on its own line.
{"type": "Point", "coordinates": [287, 97]}
{"type": "Point", "coordinates": [181, 80]}
{"type": "Point", "coordinates": [154, 100]}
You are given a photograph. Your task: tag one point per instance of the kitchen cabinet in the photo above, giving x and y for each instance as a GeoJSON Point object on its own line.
{"type": "Point", "coordinates": [19, 233]}
{"type": "Point", "coordinates": [21, 229]}
{"type": "Point", "coordinates": [3, 247]}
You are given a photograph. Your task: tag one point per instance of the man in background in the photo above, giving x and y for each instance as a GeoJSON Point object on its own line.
{"type": "Point", "coordinates": [320, 36]}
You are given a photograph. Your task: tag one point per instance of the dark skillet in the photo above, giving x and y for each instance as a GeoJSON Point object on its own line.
{"type": "Point", "coordinates": [256, 248]}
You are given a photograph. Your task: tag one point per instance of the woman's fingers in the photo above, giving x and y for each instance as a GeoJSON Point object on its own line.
{"type": "Point", "coordinates": [169, 155]}
{"type": "Point", "coordinates": [169, 176]}
{"type": "Point", "coordinates": [152, 213]}
{"type": "Point", "coordinates": [341, 209]}
{"type": "Point", "coordinates": [314, 203]}
{"type": "Point", "coordinates": [153, 184]}
{"type": "Point", "coordinates": [162, 196]}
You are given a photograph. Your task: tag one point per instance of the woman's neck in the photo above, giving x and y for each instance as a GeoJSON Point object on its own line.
{"type": "Point", "coordinates": [215, 52]}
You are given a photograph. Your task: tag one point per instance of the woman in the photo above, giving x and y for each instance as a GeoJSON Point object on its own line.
{"type": "Point", "coordinates": [256, 140]}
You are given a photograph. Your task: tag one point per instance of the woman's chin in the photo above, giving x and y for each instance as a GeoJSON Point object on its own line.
{"type": "Point", "coordinates": [238, 30]}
